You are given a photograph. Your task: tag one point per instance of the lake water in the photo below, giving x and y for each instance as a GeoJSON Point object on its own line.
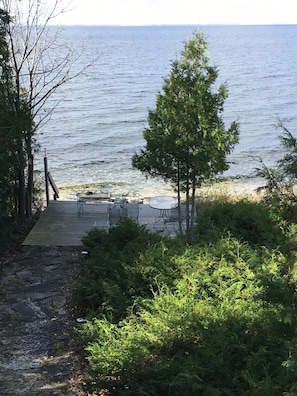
{"type": "Point", "coordinates": [99, 122]}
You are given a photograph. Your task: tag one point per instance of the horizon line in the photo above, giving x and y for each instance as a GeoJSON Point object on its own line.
{"type": "Point", "coordinates": [176, 24]}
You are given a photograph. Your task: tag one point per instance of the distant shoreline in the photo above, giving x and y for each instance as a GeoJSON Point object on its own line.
{"type": "Point", "coordinates": [164, 25]}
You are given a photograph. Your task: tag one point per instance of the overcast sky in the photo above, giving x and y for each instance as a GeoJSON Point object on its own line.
{"type": "Point", "coordinates": [152, 12]}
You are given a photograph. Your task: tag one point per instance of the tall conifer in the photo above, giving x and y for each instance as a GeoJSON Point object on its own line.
{"type": "Point", "coordinates": [186, 140]}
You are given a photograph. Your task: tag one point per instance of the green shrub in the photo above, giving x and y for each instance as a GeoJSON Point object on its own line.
{"type": "Point", "coordinates": [280, 186]}
{"type": "Point", "coordinates": [126, 263]}
{"type": "Point", "coordinates": [13, 231]}
{"type": "Point", "coordinates": [7, 227]}
{"type": "Point", "coordinates": [251, 222]}
{"type": "Point", "coordinates": [221, 322]}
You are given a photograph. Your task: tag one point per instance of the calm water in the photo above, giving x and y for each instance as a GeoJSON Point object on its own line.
{"type": "Point", "coordinates": [98, 125]}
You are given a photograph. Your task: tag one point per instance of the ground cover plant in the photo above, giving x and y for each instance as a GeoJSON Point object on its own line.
{"type": "Point", "coordinates": [214, 318]}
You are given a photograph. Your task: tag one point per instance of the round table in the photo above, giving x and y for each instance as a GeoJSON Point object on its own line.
{"type": "Point", "coordinates": [163, 202]}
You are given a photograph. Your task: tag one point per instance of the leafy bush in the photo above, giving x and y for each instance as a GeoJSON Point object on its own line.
{"type": "Point", "coordinates": [280, 184]}
{"type": "Point", "coordinates": [13, 231]}
{"type": "Point", "coordinates": [124, 264]}
{"type": "Point", "coordinates": [217, 319]}
{"type": "Point", "coordinates": [251, 222]}
{"type": "Point", "coordinates": [221, 328]}
{"type": "Point", "coordinates": [7, 227]}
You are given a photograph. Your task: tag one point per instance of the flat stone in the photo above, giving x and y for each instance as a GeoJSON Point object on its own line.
{"type": "Point", "coordinates": [5, 313]}
{"type": "Point", "coordinates": [25, 274]}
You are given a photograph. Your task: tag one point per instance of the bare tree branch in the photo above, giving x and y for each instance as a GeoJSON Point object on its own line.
{"type": "Point", "coordinates": [41, 61]}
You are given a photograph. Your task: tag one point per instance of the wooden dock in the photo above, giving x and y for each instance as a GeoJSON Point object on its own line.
{"type": "Point", "coordinates": [60, 225]}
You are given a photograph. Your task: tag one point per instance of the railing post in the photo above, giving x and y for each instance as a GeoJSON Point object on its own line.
{"type": "Point", "coordinates": [46, 180]}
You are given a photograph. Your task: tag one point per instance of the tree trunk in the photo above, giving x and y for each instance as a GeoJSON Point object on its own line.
{"type": "Point", "coordinates": [30, 187]}
{"type": "Point", "coordinates": [192, 217]}
{"type": "Point", "coordinates": [180, 227]}
{"type": "Point", "coordinates": [21, 194]}
{"type": "Point", "coordinates": [187, 206]}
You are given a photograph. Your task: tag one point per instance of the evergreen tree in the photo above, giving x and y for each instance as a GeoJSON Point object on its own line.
{"type": "Point", "coordinates": [186, 140]}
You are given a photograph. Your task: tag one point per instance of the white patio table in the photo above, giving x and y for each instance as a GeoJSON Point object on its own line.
{"type": "Point", "coordinates": [163, 203]}
{"type": "Point", "coordinates": [89, 196]}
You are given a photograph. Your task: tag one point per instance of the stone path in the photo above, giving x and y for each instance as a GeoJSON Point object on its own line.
{"type": "Point", "coordinates": [37, 345]}
{"type": "Point", "coordinates": [36, 329]}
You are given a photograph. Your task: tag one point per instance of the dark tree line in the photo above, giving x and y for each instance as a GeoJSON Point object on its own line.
{"type": "Point", "coordinates": [16, 131]}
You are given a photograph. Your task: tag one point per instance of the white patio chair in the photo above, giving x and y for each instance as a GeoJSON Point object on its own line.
{"type": "Point", "coordinates": [103, 223]}
{"type": "Point", "coordinates": [117, 213]}
{"type": "Point", "coordinates": [114, 215]}
{"type": "Point", "coordinates": [173, 219]}
{"type": "Point", "coordinates": [133, 211]}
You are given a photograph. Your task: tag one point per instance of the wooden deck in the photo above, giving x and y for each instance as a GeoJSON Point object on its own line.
{"type": "Point", "coordinates": [60, 225]}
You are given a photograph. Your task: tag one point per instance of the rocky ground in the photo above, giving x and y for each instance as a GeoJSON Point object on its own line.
{"type": "Point", "coordinates": [37, 348]}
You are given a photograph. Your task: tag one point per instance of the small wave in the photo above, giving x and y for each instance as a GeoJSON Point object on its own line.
{"type": "Point", "coordinates": [94, 163]}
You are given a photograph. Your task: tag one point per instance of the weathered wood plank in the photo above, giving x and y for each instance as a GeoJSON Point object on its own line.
{"type": "Point", "coordinates": [60, 225]}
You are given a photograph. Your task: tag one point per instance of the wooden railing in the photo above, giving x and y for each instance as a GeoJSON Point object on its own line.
{"type": "Point", "coordinates": [49, 181]}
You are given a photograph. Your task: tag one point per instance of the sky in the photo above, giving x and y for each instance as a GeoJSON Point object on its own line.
{"type": "Point", "coordinates": [193, 12]}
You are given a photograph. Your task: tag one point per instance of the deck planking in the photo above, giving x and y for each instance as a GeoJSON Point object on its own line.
{"type": "Point", "coordinates": [60, 225]}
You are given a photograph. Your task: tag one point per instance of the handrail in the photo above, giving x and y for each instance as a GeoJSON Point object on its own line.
{"type": "Point", "coordinates": [49, 179]}
{"type": "Point", "coordinates": [54, 187]}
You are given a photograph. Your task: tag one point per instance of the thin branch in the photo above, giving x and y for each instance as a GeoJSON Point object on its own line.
{"type": "Point", "coordinates": [32, 42]}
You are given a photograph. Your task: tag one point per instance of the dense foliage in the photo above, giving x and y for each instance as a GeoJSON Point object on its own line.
{"type": "Point", "coordinates": [15, 129]}
{"type": "Point", "coordinates": [214, 318]}
{"type": "Point", "coordinates": [281, 179]}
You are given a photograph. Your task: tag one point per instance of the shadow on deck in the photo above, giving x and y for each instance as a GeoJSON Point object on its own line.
{"type": "Point", "coordinates": [60, 225]}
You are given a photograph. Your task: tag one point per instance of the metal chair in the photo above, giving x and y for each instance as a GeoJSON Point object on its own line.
{"type": "Point", "coordinates": [114, 215]}
{"type": "Point", "coordinates": [133, 211]}
{"type": "Point", "coordinates": [103, 223]}
{"type": "Point", "coordinates": [117, 213]}
{"type": "Point", "coordinates": [120, 201]}
{"type": "Point", "coordinates": [173, 219]}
